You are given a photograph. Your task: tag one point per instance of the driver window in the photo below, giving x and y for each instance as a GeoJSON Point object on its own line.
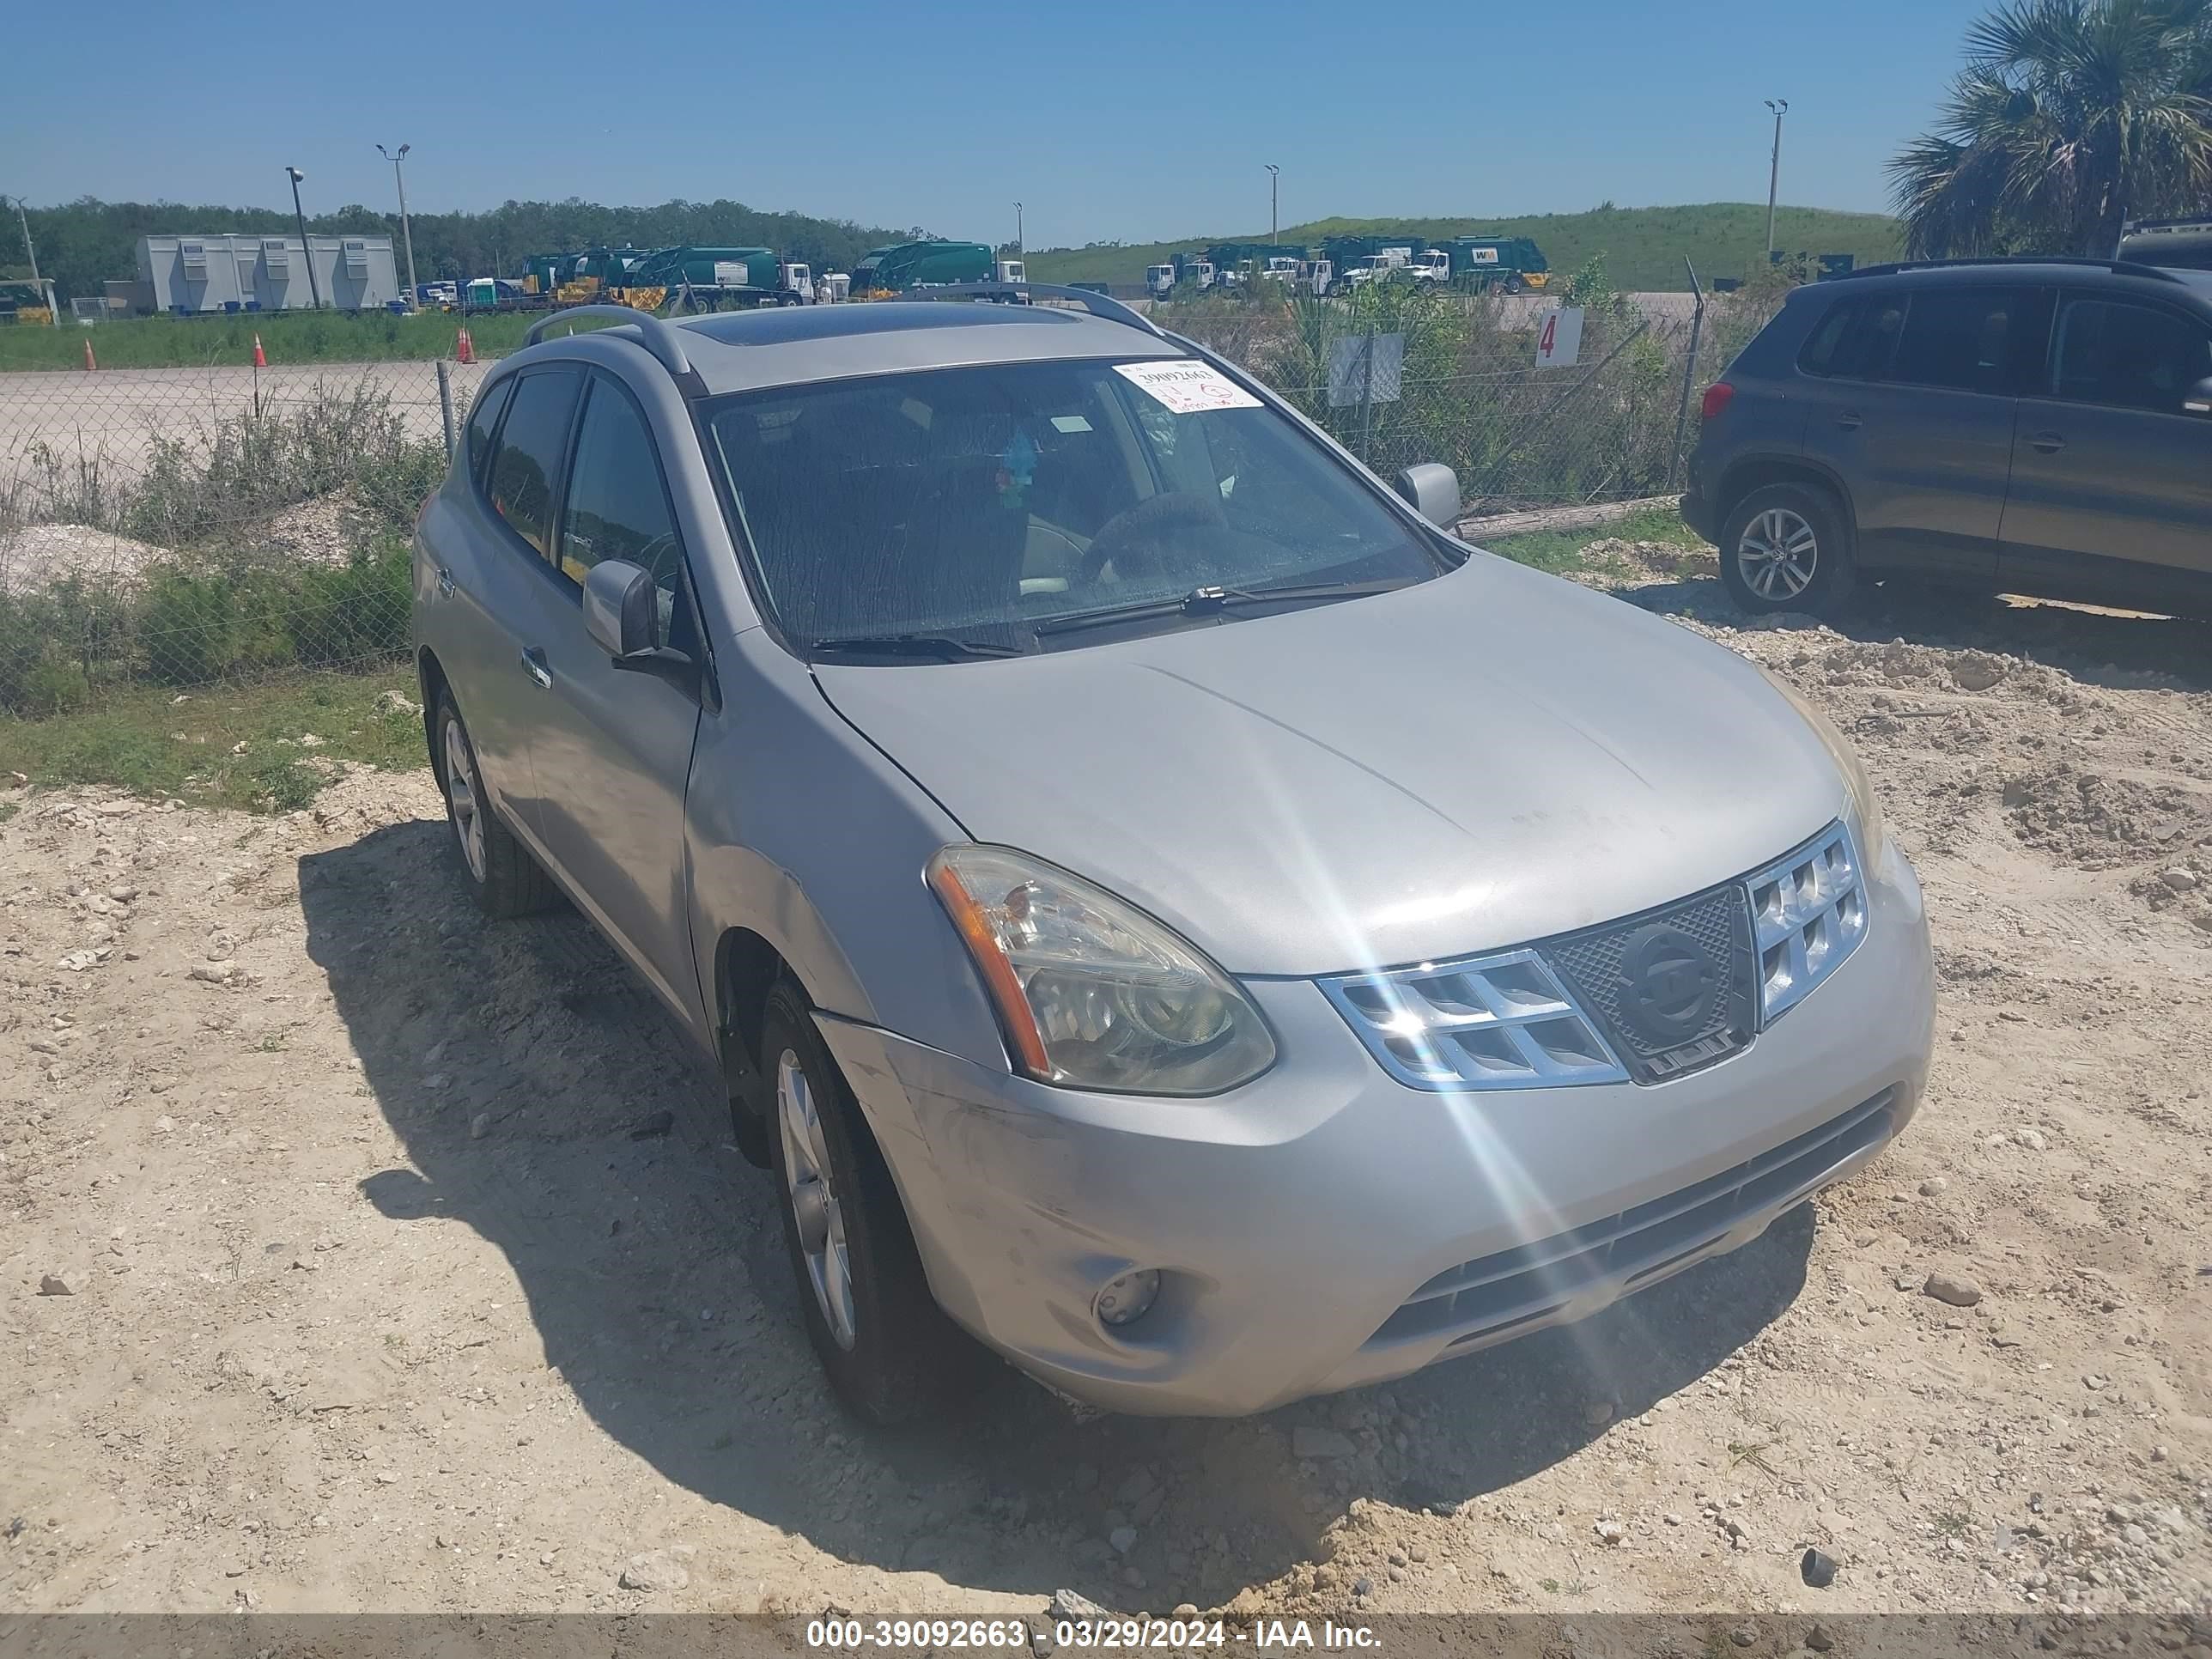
{"type": "Point", "coordinates": [617, 506]}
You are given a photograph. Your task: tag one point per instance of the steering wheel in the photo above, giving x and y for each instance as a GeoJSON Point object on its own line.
{"type": "Point", "coordinates": [1134, 539]}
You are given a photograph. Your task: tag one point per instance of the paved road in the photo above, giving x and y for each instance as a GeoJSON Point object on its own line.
{"type": "Point", "coordinates": [108, 418]}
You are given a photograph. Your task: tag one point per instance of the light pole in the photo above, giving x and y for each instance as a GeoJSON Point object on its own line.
{"type": "Point", "coordinates": [406, 234]}
{"type": "Point", "coordinates": [1021, 249]}
{"type": "Point", "coordinates": [1274, 180]}
{"type": "Point", "coordinates": [1781, 107]}
{"type": "Point", "coordinates": [306, 253]}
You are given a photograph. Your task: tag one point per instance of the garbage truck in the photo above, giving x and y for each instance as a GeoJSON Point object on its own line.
{"type": "Point", "coordinates": [920, 264]}
{"type": "Point", "coordinates": [1512, 262]}
{"type": "Point", "coordinates": [693, 278]}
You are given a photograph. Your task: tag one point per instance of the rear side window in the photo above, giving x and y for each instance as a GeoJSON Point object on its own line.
{"type": "Point", "coordinates": [483, 421]}
{"type": "Point", "coordinates": [531, 445]}
{"type": "Point", "coordinates": [1854, 339]}
{"type": "Point", "coordinates": [1968, 339]}
{"type": "Point", "coordinates": [1823, 350]}
{"type": "Point", "coordinates": [2129, 355]}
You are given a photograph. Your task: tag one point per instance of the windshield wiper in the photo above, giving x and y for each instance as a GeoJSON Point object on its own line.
{"type": "Point", "coordinates": [917, 645]}
{"type": "Point", "coordinates": [1204, 601]}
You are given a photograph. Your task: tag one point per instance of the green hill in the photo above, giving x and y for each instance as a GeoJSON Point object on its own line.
{"type": "Point", "coordinates": [1643, 246]}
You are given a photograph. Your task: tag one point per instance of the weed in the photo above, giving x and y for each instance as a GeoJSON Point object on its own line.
{"type": "Point", "coordinates": [1953, 1523]}
{"type": "Point", "coordinates": [1569, 549]}
{"type": "Point", "coordinates": [1755, 1454]}
{"type": "Point", "coordinates": [220, 748]}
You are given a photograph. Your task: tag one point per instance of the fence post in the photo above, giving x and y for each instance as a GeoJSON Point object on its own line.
{"type": "Point", "coordinates": [1367, 404]}
{"type": "Point", "coordinates": [1689, 375]}
{"type": "Point", "coordinates": [446, 403]}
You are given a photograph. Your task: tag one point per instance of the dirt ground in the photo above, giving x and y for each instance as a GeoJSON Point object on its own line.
{"type": "Point", "coordinates": [355, 1253]}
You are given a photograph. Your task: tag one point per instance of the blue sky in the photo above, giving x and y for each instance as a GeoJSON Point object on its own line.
{"type": "Point", "coordinates": [1135, 123]}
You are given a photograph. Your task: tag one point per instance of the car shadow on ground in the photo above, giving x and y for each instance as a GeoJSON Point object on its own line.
{"type": "Point", "coordinates": [545, 1101]}
{"type": "Point", "coordinates": [2122, 649]}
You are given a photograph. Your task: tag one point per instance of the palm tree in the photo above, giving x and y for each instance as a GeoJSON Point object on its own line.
{"type": "Point", "coordinates": [2071, 118]}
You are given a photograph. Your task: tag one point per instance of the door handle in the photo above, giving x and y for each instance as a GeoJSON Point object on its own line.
{"type": "Point", "coordinates": [2049, 442]}
{"type": "Point", "coordinates": [533, 664]}
{"type": "Point", "coordinates": [444, 582]}
{"type": "Point", "coordinates": [1851, 420]}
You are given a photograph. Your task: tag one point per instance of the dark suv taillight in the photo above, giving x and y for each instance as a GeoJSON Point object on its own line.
{"type": "Point", "coordinates": [1717, 400]}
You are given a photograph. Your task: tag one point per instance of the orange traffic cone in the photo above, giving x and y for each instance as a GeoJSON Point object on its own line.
{"type": "Point", "coordinates": [463, 349]}
{"type": "Point", "coordinates": [90, 361]}
{"type": "Point", "coordinates": [260, 360]}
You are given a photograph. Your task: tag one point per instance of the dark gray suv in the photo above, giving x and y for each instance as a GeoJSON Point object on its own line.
{"type": "Point", "coordinates": [2038, 427]}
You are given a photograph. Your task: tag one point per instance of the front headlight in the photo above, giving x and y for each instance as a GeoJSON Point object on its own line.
{"type": "Point", "coordinates": [1873, 834]}
{"type": "Point", "coordinates": [1091, 992]}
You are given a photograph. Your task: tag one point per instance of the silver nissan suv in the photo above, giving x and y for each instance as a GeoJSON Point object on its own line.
{"type": "Point", "coordinates": [1165, 911]}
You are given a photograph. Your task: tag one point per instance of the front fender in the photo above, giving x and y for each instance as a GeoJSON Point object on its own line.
{"type": "Point", "coordinates": [800, 831]}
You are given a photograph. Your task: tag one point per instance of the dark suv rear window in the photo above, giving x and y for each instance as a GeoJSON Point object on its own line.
{"type": "Point", "coordinates": [1853, 342]}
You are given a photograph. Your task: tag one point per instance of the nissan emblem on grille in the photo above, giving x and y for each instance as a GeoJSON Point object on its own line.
{"type": "Point", "coordinates": [1675, 990]}
{"type": "Point", "coordinates": [1668, 983]}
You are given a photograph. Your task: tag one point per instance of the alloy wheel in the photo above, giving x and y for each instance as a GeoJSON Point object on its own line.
{"type": "Point", "coordinates": [1778, 554]}
{"type": "Point", "coordinates": [463, 797]}
{"type": "Point", "coordinates": [808, 1176]}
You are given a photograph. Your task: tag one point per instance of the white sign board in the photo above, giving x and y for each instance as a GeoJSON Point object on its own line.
{"type": "Point", "coordinates": [1349, 385]}
{"type": "Point", "coordinates": [1186, 386]}
{"type": "Point", "coordinates": [1483, 256]}
{"type": "Point", "coordinates": [1559, 338]}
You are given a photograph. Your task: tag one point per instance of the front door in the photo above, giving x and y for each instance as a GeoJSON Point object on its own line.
{"type": "Point", "coordinates": [2112, 481]}
{"type": "Point", "coordinates": [612, 748]}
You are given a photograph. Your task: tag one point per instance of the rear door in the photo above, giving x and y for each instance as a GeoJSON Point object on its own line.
{"type": "Point", "coordinates": [2111, 490]}
{"type": "Point", "coordinates": [1910, 403]}
{"type": "Point", "coordinates": [610, 748]}
{"type": "Point", "coordinates": [492, 573]}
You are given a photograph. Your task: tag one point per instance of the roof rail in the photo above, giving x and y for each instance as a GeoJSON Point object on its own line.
{"type": "Point", "coordinates": [2187, 221]}
{"type": "Point", "coordinates": [1098, 305]}
{"type": "Point", "coordinates": [2118, 267]}
{"type": "Point", "coordinates": [654, 334]}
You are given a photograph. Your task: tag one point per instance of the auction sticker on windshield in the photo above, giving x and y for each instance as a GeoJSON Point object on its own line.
{"type": "Point", "coordinates": [1185, 386]}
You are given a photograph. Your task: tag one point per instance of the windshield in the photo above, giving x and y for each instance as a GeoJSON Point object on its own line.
{"type": "Point", "coordinates": [981, 504]}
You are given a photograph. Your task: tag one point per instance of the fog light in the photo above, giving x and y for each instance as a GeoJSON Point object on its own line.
{"type": "Point", "coordinates": [1127, 1299]}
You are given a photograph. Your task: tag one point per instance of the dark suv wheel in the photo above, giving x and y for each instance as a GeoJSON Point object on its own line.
{"type": "Point", "coordinates": [1787, 547]}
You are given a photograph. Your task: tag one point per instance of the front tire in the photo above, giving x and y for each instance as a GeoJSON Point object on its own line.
{"type": "Point", "coordinates": [891, 1352]}
{"type": "Point", "coordinates": [501, 876]}
{"type": "Point", "coordinates": [1787, 547]}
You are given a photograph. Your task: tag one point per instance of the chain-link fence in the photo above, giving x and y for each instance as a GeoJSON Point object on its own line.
{"type": "Point", "coordinates": [185, 528]}
{"type": "Point", "coordinates": [1400, 374]}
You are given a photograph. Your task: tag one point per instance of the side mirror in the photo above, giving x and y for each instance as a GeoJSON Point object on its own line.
{"type": "Point", "coordinates": [2197, 400]}
{"type": "Point", "coordinates": [622, 609]}
{"type": "Point", "coordinates": [1433, 491]}
{"type": "Point", "coordinates": [622, 613]}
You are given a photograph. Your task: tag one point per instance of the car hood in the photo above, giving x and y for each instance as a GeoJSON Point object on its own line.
{"type": "Point", "coordinates": [1476, 762]}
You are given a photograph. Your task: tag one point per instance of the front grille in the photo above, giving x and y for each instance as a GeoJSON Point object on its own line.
{"type": "Point", "coordinates": [1719, 924]}
{"type": "Point", "coordinates": [1810, 911]}
{"type": "Point", "coordinates": [1501, 1022]}
{"type": "Point", "coordinates": [1529, 1283]}
{"type": "Point", "coordinates": [1648, 999]}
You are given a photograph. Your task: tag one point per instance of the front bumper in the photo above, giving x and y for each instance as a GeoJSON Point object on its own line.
{"type": "Point", "coordinates": [1324, 1227]}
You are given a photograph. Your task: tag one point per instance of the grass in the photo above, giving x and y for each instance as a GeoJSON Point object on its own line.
{"type": "Point", "coordinates": [1559, 550]}
{"type": "Point", "coordinates": [236, 748]}
{"type": "Point", "coordinates": [1954, 1524]}
{"type": "Point", "coordinates": [1643, 247]}
{"type": "Point", "coordinates": [287, 338]}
